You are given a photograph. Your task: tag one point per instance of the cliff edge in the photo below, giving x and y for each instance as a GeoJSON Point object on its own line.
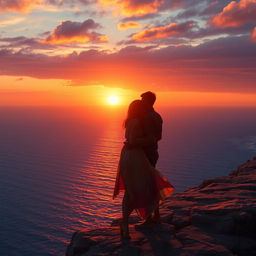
{"type": "Point", "coordinates": [217, 218]}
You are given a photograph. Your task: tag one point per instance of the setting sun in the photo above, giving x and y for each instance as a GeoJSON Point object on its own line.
{"type": "Point", "coordinates": [113, 100]}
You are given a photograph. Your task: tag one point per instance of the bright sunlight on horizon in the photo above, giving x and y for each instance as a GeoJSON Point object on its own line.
{"type": "Point", "coordinates": [113, 100]}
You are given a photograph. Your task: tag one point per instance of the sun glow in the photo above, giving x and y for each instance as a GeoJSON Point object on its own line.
{"type": "Point", "coordinates": [113, 100]}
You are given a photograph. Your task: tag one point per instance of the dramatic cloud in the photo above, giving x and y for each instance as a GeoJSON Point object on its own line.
{"type": "Point", "coordinates": [226, 64]}
{"type": "Point", "coordinates": [236, 14]}
{"type": "Point", "coordinates": [184, 54]}
{"type": "Point", "coordinates": [199, 9]}
{"type": "Point", "coordinates": [76, 32]}
{"type": "Point", "coordinates": [19, 5]}
{"type": "Point", "coordinates": [162, 32]}
{"type": "Point", "coordinates": [24, 6]}
{"type": "Point", "coordinates": [22, 42]}
{"type": "Point", "coordinates": [128, 25]}
{"type": "Point", "coordinates": [141, 17]}
{"type": "Point", "coordinates": [135, 7]}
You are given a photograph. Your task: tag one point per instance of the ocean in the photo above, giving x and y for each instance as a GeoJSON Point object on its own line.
{"type": "Point", "coordinates": [58, 166]}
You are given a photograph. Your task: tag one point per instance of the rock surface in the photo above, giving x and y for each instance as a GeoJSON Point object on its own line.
{"type": "Point", "coordinates": [217, 218]}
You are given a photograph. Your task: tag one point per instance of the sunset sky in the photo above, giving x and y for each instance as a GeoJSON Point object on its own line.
{"type": "Point", "coordinates": [79, 52]}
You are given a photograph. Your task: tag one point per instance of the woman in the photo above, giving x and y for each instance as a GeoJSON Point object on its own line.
{"type": "Point", "coordinates": [144, 186]}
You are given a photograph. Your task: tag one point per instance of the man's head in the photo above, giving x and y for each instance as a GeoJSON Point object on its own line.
{"type": "Point", "coordinates": [148, 98]}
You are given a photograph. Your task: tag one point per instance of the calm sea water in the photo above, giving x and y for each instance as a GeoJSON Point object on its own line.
{"type": "Point", "coordinates": [58, 166]}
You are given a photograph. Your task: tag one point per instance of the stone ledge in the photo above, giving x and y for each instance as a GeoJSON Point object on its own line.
{"type": "Point", "coordinates": [217, 218]}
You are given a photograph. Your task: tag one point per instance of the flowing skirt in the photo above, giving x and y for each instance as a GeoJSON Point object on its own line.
{"type": "Point", "coordinates": [145, 186]}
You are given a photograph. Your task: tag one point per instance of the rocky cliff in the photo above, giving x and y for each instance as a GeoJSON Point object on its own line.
{"type": "Point", "coordinates": [217, 218]}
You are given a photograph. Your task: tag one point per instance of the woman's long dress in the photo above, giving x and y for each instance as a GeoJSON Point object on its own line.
{"type": "Point", "coordinates": [144, 185]}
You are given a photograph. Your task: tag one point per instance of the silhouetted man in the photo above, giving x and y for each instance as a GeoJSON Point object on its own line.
{"type": "Point", "coordinates": [152, 125]}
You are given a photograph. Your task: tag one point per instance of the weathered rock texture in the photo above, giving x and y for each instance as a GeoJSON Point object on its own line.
{"type": "Point", "coordinates": [217, 218]}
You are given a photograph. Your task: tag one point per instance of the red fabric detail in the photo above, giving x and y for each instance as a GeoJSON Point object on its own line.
{"type": "Point", "coordinates": [163, 187]}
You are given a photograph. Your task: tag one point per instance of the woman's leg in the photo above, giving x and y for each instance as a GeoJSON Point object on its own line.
{"type": "Point", "coordinates": [127, 209]}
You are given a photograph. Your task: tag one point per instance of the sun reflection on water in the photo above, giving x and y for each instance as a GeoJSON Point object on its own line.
{"type": "Point", "coordinates": [97, 178]}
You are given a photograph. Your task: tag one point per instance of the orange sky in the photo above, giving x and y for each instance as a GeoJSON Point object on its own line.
{"type": "Point", "coordinates": [52, 92]}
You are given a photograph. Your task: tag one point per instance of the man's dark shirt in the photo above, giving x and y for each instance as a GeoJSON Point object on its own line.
{"type": "Point", "coordinates": [152, 125]}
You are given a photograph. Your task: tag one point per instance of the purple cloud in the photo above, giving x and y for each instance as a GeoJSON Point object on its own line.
{"type": "Point", "coordinates": [76, 32]}
{"type": "Point", "coordinates": [225, 64]}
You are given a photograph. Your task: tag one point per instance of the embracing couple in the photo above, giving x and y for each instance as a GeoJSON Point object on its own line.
{"type": "Point", "coordinates": [144, 187]}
